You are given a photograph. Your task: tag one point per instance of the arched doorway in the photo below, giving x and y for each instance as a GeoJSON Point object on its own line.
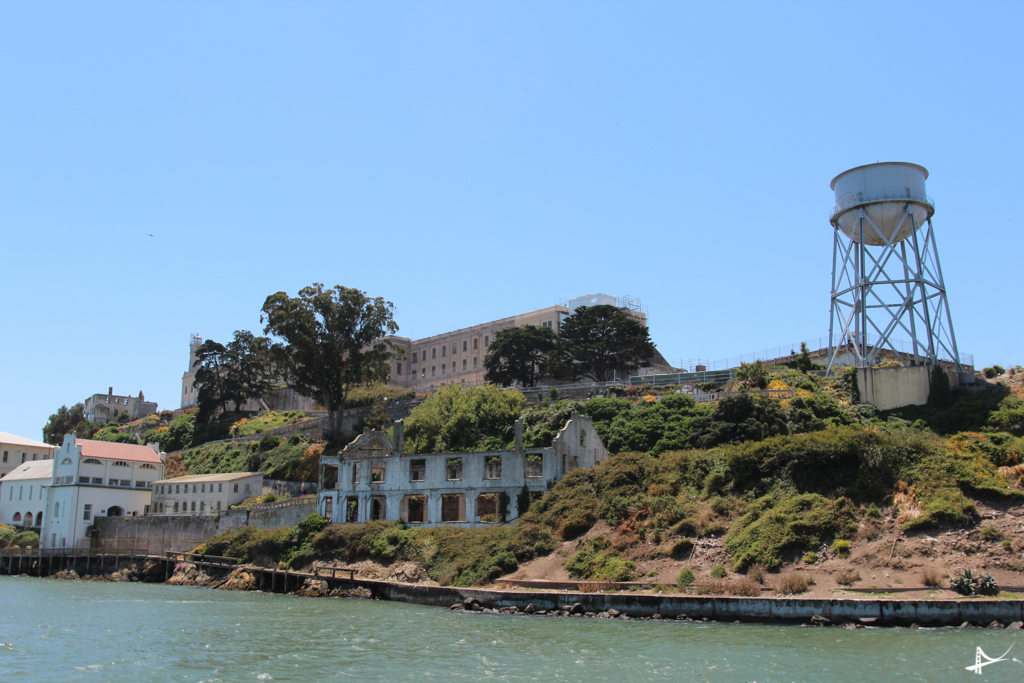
{"type": "Point", "coordinates": [39, 518]}
{"type": "Point", "coordinates": [378, 509]}
{"type": "Point", "coordinates": [328, 508]}
{"type": "Point", "coordinates": [115, 511]}
{"type": "Point", "coordinates": [28, 519]}
{"type": "Point", "coordinates": [17, 518]}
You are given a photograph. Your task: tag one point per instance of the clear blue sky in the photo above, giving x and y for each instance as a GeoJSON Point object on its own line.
{"type": "Point", "coordinates": [469, 161]}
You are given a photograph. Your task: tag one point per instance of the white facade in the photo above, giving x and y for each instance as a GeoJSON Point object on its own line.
{"type": "Point", "coordinates": [23, 494]}
{"type": "Point", "coordinates": [15, 450]}
{"type": "Point", "coordinates": [95, 479]}
{"type": "Point", "coordinates": [204, 494]}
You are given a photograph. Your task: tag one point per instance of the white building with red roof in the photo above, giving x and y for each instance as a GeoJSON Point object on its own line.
{"type": "Point", "coordinates": [96, 479]}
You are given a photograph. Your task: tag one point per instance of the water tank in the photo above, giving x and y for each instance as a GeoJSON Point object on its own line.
{"type": "Point", "coordinates": [885, 191]}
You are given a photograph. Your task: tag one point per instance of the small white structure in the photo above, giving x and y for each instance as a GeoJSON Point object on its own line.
{"type": "Point", "coordinates": [104, 407]}
{"type": "Point", "coordinates": [204, 494]}
{"type": "Point", "coordinates": [96, 478]}
{"type": "Point", "coordinates": [15, 450]}
{"type": "Point", "coordinates": [23, 494]}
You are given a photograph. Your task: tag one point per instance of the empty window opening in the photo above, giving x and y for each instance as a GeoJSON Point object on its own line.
{"type": "Point", "coordinates": [352, 510]}
{"type": "Point", "coordinates": [453, 507]}
{"type": "Point", "coordinates": [414, 509]}
{"type": "Point", "coordinates": [492, 508]}
{"type": "Point", "coordinates": [377, 474]}
{"type": "Point", "coordinates": [330, 478]}
{"type": "Point", "coordinates": [453, 469]}
{"type": "Point", "coordinates": [418, 470]}
{"type": "Point", "coordinates": [378, 508]}
{"type": "Point", "coordinates": [583, 439]}
{"type": "Point", "coordinates": [328, 507]}
{"type": "Point", "coordinates": [464, 345]}
{"type": "Point", "coordinates": [475, 345]}
{"type": "Point", "coordinates": [444, 351]}
{"type": "Point", "coordinates": [492, 467]}
{"type": "Point", "coordinates": [534, 465]}
{"type": "Point", "coordinates": [355, 473]}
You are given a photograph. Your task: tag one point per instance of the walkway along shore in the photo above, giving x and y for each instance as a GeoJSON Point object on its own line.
{"type": "Point", "coordinates": [223, 573]}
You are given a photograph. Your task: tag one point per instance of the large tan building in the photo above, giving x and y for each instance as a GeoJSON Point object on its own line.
{"type": "Point", "coordinates": [15, 450]}
{"type": "Point", "coordinates": [457, 357]}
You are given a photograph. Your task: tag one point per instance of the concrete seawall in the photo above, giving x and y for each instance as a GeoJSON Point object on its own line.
{"type": "Point", "coordinates": [181, 533]}
{"type": "Point", "coordinates": [765, 610]}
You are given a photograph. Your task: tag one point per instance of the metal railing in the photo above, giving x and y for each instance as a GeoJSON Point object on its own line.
{"type": "Point", "coordinates": [857, 198]}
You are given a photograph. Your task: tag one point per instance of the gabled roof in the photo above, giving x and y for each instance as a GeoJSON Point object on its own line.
{"type": "Point", "coordinates": [362, 446]}
{"type": "Point", "coordinates": [22, 441]}
{"type": "Point", "coordinates": [224, 476]}
{"type": "Point", "coordinates": [36, 469]}
{"type": "Point", "coordinates": [108, 450]}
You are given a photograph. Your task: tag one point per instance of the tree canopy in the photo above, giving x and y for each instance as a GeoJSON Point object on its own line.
{"type": "Point", "coordinates": [460, 419]}
{"type": "Point", "coordinates": [600, 341]}
{"type": "Point", "coordinates": [521, 355]}
{"type": "Point", "coordinates": [240, 371]}
{"type": "Point", "coordinates": [68, 421]}
{"type": "Point", "coordinates": [332, 341]}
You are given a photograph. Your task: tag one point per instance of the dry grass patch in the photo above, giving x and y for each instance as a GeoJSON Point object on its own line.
{"type": "Point", "coordinates": [793, 584]}
{"type": "Point", "coordinates": [847, 577]}
{"type": "Point", "coordinates": [745, 587]}
{"type": "Point", "coordinates": [932, 577]}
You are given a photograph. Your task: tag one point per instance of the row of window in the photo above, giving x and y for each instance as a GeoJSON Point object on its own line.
{"type": "Point", "coordinates": [196, 488]}
{"type": "Point", "coordinates": [490, 508]}
{"type": "Point", "coordinates": [24, 456]}
{"type": "Point", "coordinates": [98, 481]}
{"type": "Point", "coordinates": [164, 507]}
{"type": "Point", "coordinates": [533, 468]}
{"type": "Point", "coordinates": [417, 355]}
{"type": "Point", "coordinates": [117, 463]}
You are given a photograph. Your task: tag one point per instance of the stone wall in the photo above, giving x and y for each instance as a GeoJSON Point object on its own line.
{"type": "Point", "coordinates": [181, 533]}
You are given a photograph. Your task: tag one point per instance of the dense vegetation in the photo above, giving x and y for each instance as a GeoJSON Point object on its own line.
{"type": "Point", "coordinates": [779, 478]}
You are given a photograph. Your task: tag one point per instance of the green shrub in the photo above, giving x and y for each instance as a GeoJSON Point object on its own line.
{"type": "Point", "coordinates": [6, 534]}
{"type": "Point", "coordinates": [605, 565]}
{"type": "Point", "coordinates": [967, 582]}
{"type": "Point", "coordinates": [872, 511]}
{"type": "Point", "coordinates": [682, 546]}
{"type": "Point", "coordinates": [685, 577]}
{"type": "Point", "coordinates": [810, 557]}
{"type": "Point", "coordinates": [359, 397]}
{"type": "Point", "coordinates": [990, 533]}
{"type": "Point", "coordinates": [989, 373]}
{"type": "Point", "coordinates": [998, 369]}
{"type": "Point", "coordinates": [775, 524]}
{"type": "Point", "coordinates": [841, 547]}
{"type": "Point", "coordinates": [718, 571]}
{"type": "Point", "coordinates": [24, 539]}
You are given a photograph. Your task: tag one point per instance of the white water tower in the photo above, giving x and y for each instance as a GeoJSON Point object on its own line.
{"type": "Point", "coordinates": [887, 283]}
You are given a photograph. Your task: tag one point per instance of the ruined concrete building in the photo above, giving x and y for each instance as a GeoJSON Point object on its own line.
{"type": "Point", "coordinates": [374, 479]}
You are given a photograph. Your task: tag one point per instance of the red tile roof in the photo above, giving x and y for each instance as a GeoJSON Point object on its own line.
{"type": "Point", "coordinates": [118, 451]}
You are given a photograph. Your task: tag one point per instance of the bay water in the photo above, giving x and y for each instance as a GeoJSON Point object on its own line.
{"type": "Point", "coordinates": [53, 630]}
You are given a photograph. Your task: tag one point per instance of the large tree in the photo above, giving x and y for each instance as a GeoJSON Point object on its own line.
{"type": "Point", "coordinates": [68, 421]}
{"type": "Point", "coordinates": [210, 365]}
{"type": "Point", "coordinates": [600, 341]}
{"type": "Point", "coordinates": [332, 341]}
{"type": "Point", "coordinates": [521, 355]}
{"type": "Point", "coordinates": [235, 373]}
